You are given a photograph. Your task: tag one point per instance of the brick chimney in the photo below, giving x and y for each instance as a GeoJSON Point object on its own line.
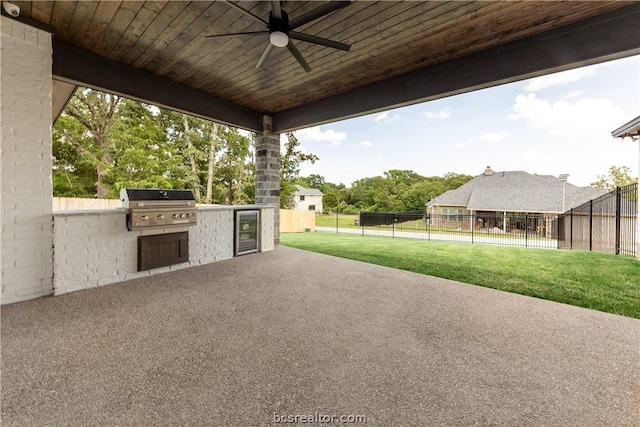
{"type": "Point", "coordinates": [488, 171]}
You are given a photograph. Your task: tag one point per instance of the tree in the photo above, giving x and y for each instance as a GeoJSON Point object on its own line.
{"type": "Point", "coordinates": [454, 180]}
{"type": "Point", "coordinates": [290, 162]}
{"type": "Point", "coordinates": [618, 176]}
{"type": "Point", "coordinates": [142, 155]}
{"type": "Point", "coordinates": [86, 125]}
{"type": "Point", "coordinates": [234, 165]}
{"type": "Point", "coordinates": [213, 137]}
{"type": "Point", "coordinates": [73, 174]}
{"type": "Point", "coordinates": [316, 181]}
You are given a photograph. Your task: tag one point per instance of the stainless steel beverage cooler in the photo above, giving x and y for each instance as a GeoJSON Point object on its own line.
{"type": "Point", "coordinates": [247, 231]}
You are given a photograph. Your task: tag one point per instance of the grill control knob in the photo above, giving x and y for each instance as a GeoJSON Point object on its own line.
{"type": "Point", "coordinates": [174, 216]}
{"type": "Point", "coordinates": [182, 215]}
{"type": "Point", "coordinates": [160, 216]}
{"type": "Point", "coordinates": [144, 217]}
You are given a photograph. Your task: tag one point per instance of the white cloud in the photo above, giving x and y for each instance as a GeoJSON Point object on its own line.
{"type": "Point", "coordinates": [442, 114]}
{"type": "Point", "coordinates": [573, 94]}
{"type": "Point", "coordinates": [364, 144]}
{"type": "Point", "coordinates": [494, 136]}
{"type": "Point", "coordinates": [386, 118]}
{"type": "Point", "coordinates": [561, 78]}
{"type": "Point", "coordinates": [586, 117]}
{"type": "Point", "coordinates": [315, 134]}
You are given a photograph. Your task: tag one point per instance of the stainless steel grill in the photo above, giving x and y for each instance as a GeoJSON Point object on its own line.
{"type": "Point", "coordinates": [148, 209]}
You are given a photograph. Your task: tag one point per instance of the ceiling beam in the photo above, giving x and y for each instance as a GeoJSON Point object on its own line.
{"type": "Point", "coordinates": [606, 37]}
{"type": "Point", "coordinates": [79, 67]}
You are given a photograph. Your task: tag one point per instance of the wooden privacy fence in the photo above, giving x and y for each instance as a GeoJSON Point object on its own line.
{"type": "Point", "coordinates": [78, 204]}
{"type": "Point", "coordinates": [297, 221]}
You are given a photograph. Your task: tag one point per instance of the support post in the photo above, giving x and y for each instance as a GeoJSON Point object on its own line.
{"type": "Point", "coordinates": [268, 172]}
{"type": "Point", "coordinates": [590, 224]}
{"type": "Point", "coordinates": [571, 229]}
{"type": "Point", "coordinates": [618, 203]}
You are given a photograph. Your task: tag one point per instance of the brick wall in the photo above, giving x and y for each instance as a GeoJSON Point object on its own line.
{"type": "Point", "coordinates": [268, 172]}
{"type": "Point", "coordinates": [94, 248]}
{"type": "Point", "coordinates": [25, 162]}
{"type": "Point", "coordinates": [267, 221]}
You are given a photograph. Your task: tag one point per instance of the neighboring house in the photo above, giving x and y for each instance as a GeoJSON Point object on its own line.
{"type": "Point", "coordinates": [508, 201]}
{"type": "Point", "coordinates": [307, 199]}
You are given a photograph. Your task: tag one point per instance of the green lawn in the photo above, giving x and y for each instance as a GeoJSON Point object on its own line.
{"type": "Point", "coordinates": [328, 220]}
{"type": "Point", "coordinates": [593, 280]}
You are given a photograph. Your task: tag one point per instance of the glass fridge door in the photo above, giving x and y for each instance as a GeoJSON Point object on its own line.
{"type": "Point", "coordinates": [247, 232]}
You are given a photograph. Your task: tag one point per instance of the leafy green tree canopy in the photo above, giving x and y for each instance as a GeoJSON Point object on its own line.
{"type": "Point", "coordinates": [617, 176]}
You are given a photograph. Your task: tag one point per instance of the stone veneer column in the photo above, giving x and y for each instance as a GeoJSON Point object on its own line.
{"type": "Point", "coordinates": [268, 172]}
{"type": "Point", "coordinates": [26, 236]}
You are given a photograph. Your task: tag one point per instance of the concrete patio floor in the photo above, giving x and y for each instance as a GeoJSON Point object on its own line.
{"type": "Point", "coordinates": [294, 333]}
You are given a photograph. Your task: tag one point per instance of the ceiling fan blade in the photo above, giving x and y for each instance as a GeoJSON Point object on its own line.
{"type": "Point", "coordinates": [264, 56]}
{"type": "Point", "coordinates": [318, 12]}
{"type": "Point", "coordinates": [246, 12]}
{"type": "Point", "coordinates": [296, 54]}
{"type": "Point", "coordinates": [248, 33]}
{"type": "Point", "coordinates": [319, 40]}
{"type": "Point", "coordinates": [275, 9]}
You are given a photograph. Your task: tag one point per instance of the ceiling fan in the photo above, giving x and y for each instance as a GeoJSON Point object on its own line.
{"type": "Point", "coordinates": [280, 29]}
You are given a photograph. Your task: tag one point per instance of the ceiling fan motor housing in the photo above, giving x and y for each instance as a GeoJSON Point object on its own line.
{"type": "Point", "coordinates": [281, 25]}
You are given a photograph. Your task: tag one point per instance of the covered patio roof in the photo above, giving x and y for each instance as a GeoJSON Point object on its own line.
{"type": "Point", "coordinates": [401, 52]}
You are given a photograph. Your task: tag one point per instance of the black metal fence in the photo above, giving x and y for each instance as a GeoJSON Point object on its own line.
{"type": "Point", "coordinates": [510, 229]}
{"type": "Point", "coordinates": [606, 224]}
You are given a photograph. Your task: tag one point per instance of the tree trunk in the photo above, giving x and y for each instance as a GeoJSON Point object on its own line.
{"type": "Point", "coordinates": [212, 155]}
{"type": "Point", "coordinates": [194, 169]}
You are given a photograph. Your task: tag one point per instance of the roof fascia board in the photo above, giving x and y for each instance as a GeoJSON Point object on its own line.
{"type": "Point", "coordinates": [79, 67]}
{"type": "Point", "coordinates": [629, 129]}
{"type": "Point", "coordinates": [602, 38]}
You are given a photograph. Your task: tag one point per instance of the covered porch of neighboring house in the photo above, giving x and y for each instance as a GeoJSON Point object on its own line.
{"type": "Point", "coordinates": [515, 223]}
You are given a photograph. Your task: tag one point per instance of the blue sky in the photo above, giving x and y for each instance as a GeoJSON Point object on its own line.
{"type": "Point", "coordinates": [560, 123]}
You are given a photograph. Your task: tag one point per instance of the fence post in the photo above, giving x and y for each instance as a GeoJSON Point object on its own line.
{"type": "Point", "coordinates": [618, 202]}
{"type": "Point", "coordinates": [590, 224]}
{"type": "Point", "coordinates": [393, 225]}
{"type": "Point", "coordinates": [526, 230]}
{"type": "Point", "coordinates": [571, 229]}
{"type": "Point", "coordinates": [473, 225]}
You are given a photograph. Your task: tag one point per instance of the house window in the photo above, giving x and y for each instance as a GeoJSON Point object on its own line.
{"type": "Point", "coordinates": [312, 207]}
{"type": "Point", "coordinates": [453, 215]}
{"type": "Point", "coordinates": [302, 198]}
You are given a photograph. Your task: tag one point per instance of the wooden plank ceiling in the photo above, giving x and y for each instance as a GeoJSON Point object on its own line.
{"type": "Point", "coordinates": [388, 38]}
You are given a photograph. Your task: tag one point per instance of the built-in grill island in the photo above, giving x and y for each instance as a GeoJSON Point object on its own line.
{"type": "Point", "coordinates": [149, 209]}
{"type": "Point", "coordinates": [158, 210]}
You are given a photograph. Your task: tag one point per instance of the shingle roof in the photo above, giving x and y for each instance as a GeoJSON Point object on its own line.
{"type": "Point", "coordinates": [303, 191]}
{"type": "Point", "coordinates": [516, 191]}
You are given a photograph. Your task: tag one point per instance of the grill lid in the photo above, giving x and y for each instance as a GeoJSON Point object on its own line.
{"type": "Point", "coordinates": [153, 198]}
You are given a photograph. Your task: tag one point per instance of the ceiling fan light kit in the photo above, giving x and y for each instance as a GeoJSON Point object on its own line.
{"type": "Point", "coordinates": [278, 39]}
{"type": "Point", "coordinates": [280, 29]}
